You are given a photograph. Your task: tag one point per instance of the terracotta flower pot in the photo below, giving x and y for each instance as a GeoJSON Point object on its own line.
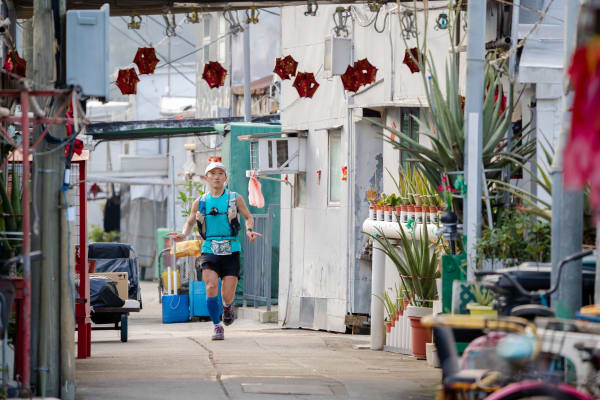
{"type": "Point", "coordinates": [393, 322]}
{"type": "Point", "coordinates": [420, 334]}
{"type": "Point", "coordinates": [388, 327]}
{"type": "Point", "coordinates": [420, 337]}
{"type": "Point", "coordinates": [406, 303]}
{"type": "Point", "coordinates": [404, 214]}
{"type": "Point", "coordinates": [398, 314]}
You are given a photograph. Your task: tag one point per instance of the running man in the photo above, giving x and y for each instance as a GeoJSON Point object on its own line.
{"type": "Point", "coordinates": [216, 214]}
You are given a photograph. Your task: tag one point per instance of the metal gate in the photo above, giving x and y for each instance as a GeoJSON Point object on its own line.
{"type": "Point", "coordinates": [258, 260]}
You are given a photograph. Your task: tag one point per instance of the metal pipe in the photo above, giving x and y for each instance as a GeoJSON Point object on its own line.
{"type": "Point", "coordinates": [173, 219]}
{"type": "Point", "coordinates": [247, 95]}
{"type": "Point", "coordinates": [377, 292]}
{"type": "Point", "coordinates": [567, 205]}
{"type": "Point", "coordinates": [26, 244]}
{"type": "Point", "coordinates": [476, 17]}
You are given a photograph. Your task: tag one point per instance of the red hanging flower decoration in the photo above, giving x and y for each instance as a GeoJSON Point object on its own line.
{"type": "Point", "coordinates": [410, 61]}
{"type": "Point", "coordinates": [582, 152]}
{"type": "Point", "coordinates": [214, 74]}
{"type": "Point", "coordinates": [367, 71]}
{"type": "Point", "coordinates": [15, 64]}
{"type": "Point", "coordinates": [351, 79]}
{"type": "Point", "coordinates": [127, 81]}
{"type": "Point", "coordinates": [146, 60]}
{"type": "Point", "coordinates": [95, 189]}
{"type": "Point", "coordinates": [77, 148]}
{"type": "Point", "coordinates": [285, 67]}
{"type": "Point", "coordinates": [305, 84]}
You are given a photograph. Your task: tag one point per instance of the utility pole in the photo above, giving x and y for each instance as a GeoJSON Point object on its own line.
{"type": "Point", "coordinates": [476, 15]}
{"type": "Point", "coordinates": [567, 205]}
{"type": "Point", "coordinates": [247, 98]}
{"type": "Point", "coordinates": [45, 72]}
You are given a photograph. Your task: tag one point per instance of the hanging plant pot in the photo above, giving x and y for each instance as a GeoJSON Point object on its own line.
{"type": "Point", "coordinates": [420, 334]}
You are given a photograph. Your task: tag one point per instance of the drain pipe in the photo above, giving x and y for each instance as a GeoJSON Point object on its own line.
{"type": "Point", "coordinates": [567, 205]}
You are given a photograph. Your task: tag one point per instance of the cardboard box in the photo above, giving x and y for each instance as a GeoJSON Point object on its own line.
{"type": "Point", "coordinates": [120, 278]}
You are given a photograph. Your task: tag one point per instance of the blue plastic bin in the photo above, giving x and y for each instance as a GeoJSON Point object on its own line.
{"type": "Point", "coordinates": [198, 299]}
{"type": "Point", "coordinates": [175, 308]}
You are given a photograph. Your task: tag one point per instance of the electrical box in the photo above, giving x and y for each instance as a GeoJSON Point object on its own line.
{"type": "Point", "coordinates": [88, 51]}
{"type": "Point", "coordinates": [338, 55]}
{"type": "Point", "coordinates": [277, 156]}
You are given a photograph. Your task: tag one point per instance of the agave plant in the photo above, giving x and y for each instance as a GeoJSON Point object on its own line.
{"type": "Point", "coordinates": [445, 126]}
{"type": "Point", "coordinates": [417, 263]}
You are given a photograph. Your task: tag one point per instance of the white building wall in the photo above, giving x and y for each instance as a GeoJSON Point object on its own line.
{"type": "Point", "coordinates": [321, 278]}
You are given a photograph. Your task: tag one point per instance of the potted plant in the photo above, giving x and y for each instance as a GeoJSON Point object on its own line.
{"type": "Point", "coordinates": [482, 306]}
{"type": "Point", "coordinates": [417, 263]}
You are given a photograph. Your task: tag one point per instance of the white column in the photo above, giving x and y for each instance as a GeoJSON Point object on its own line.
{"type": "Point", "coordinates": [377, 291]}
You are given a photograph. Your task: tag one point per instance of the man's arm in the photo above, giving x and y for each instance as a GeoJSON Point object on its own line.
{"type": "Point", "coordinates": [189, 224]}
{"type": "Point", "coordinates": [243, 209]}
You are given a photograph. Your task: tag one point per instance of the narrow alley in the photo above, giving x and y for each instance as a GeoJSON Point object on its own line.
{"type": "Point", "coordinates": [255, 361]}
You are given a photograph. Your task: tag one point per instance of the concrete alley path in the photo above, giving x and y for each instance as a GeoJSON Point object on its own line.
{"type": "Point", "coordinates": [255, 361]}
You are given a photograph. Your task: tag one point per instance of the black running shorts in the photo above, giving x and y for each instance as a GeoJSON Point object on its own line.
{"type": "Point", "coordinates": [222, 265]}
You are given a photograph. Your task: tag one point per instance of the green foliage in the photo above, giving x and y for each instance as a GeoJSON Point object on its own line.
{"type": "Point", "coordinates": [483, 296]}
{"type": "Point", "coordinates": [516, 238]}
{"type": "Point", "coordinates": [192, 191]}
{"type": "Point", "coordinates": [416, 262]}
{"type": "Point", "coordinates": [97, 234]}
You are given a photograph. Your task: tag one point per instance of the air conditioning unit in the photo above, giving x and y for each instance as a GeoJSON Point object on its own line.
{"type": "Point", "coordinates": [276, 156]}
{"type": "Point", "coordinates": [338, 55]}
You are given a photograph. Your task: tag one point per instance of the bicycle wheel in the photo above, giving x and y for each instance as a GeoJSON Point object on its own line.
{"type": "Point", "coordinates": [538, 391]}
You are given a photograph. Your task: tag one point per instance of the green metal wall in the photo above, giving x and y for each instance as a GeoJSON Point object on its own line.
{"type": "Point", "coordinates": [236, 157]}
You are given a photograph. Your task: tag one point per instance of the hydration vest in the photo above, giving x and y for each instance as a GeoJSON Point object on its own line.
{"type": "Point", "coordinates": [231, 212]}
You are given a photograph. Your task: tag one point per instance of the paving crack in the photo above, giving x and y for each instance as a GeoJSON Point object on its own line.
{"type": "Point", "coordinates": [211, 358]}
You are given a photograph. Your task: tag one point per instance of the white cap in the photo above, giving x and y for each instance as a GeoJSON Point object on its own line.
{"type": "Point", "coordinates": [215, 165]}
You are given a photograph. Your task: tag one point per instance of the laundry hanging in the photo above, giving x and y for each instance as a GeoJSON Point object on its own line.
{"type": "Point", "coordinates": [255, 196]}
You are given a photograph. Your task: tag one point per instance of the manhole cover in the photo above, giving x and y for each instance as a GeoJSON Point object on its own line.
{"type": "Point", "coordinates": [286, 389]}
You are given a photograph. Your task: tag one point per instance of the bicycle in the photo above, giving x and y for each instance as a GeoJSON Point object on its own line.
{"type": "Point", "coordinates": [529, 360]}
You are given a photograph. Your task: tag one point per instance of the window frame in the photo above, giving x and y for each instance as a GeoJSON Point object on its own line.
{"type": "Point", "coordinates": [331, 172]}
{"type": "Point", "coordinates": [413, 130]}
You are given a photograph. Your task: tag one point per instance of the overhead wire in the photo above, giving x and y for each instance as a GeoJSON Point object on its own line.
{"type": "Point", "coordinates": [148, 44]}
{"type": "Point", "coordinates": [151, 18]}
{"type": "Point", "coordinates": [196, 50]}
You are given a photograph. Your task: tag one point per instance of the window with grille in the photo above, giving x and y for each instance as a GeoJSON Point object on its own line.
{"type": "Point", "coordinates": [410, 127]}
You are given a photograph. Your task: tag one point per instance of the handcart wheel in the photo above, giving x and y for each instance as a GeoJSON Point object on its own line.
{"type": "Point", "coordinates": [124, 323]}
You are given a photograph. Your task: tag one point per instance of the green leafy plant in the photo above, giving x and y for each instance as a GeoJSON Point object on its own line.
{"type": "Point", "coordinates": [534, 204]}
{"type": "Point", "coordinates": [516, 238]}
{"type": "Point", "coordinates": [97, 234]}
{"type": "Point", "coordinates": [483, 296]}
{"type": "Point", "coordinates": [390, 304]}
{"type": "Point", "coordinates": [192, 191]}
{"type": "Point", "coordinates": [416, 262]}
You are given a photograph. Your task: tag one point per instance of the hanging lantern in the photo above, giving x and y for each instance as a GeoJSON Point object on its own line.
{"type": "Point", "coordinates": [127, 81]}
{"type": "Point", "coordinates": [367, 71]}
{"type": "Point", "coordinates": [410, 61]}
{"type": "Point", "coordinates": [582, 152]}
{"type": "Point", "coordinates": [305, 84]}
{"type": "Point", "coordinates": [146, 60]}
{"type": "Point", "coordinates": [214, 74]}
{"type": "Point", "coordinates": [15, 64]}
{"type": "Point", "coordinates": [95, 189]}
{"type": "Point", "coordinates": [285, 67]}
{"type": "Point", "coordinates": [351, 79]}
